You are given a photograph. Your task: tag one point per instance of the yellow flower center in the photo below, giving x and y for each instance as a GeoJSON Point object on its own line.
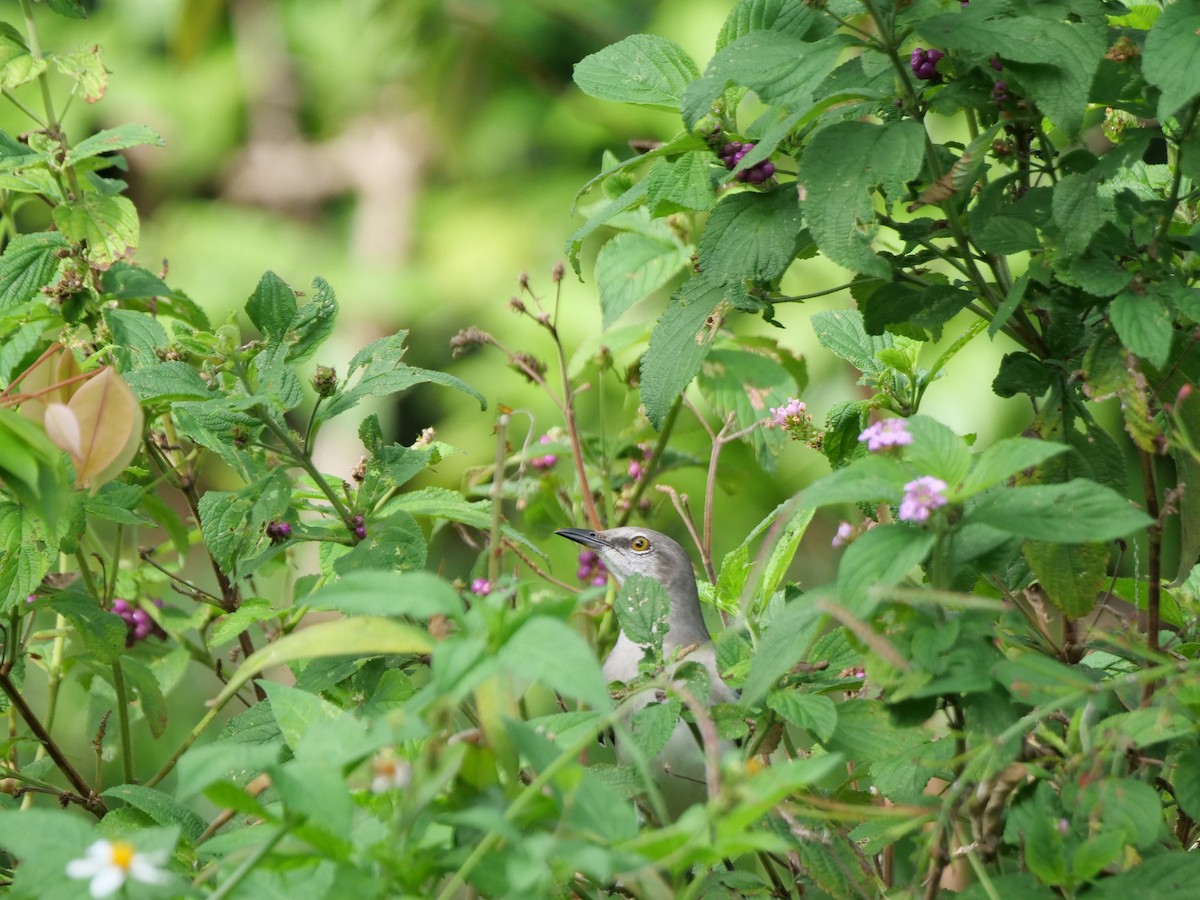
{"type": "Point", "coordinates": [122, 855]}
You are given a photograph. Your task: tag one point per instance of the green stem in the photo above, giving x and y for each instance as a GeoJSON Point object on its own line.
{"type": "Point", "coordinates": [209, 718]}
{"type": "Point", "coordinates": [656, 457]}
{"type": "Point", "coordinates": [123, 721]}
{"type": "Point", "coordinates": [17, 102]}
{"type": "Point", "coordinates": [494, 546]}
{"type": "Point", "coordinates": [1187, 122]}
{"type": "Point", "coordinates": [302, 459]}
{"type": "Point", "coordinates": [250, 862]}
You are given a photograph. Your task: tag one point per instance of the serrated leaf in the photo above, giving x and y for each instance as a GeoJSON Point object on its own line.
{"type": "Point", "coordinates": [1005, 458]}
{"type": "Point", "coordinates": [1076, 512]}
{"type": "Point", "coordinates": [785, 642]}
{"type": "Point", "coordinates": [102, 633]}
{"type": "Point", "coordinates": [840, 170]}
{"type": "Point", "coordinates": [1078, 212]}
{"type": "Point", "coordinates": [161, 807]}
{"type": "Point", "coordinates": [678, 345]}
{"type": "Point", "coordinates": [237, 763]}
{"type": "Point", "coordinates": [227, 627]}
{"type": "Point", "coordinates": [396, 543]}
{"type": "Point", "coordinates": [1072, 575]}
{"type": "Point", "coordinates": [1171, 56]}
{"type": "Point", "coordinates": [683, 183]}
{"type": "Point", "coordinates": [748, 384]}
{"type": "Point", "coordinates": [841, 331]}
{"type": "Point", "coordinates": [843, 424]}
{"type": "Point", "coordinates": [168, 382]}
{"type": "Point", "coordinates": [643, 69]}
{"type": "Point", "coordinates": [630, 267]}
{"type": "Point", "coordinates": [23, 562]}
{"type": "Point", "coordinates": [416, 594]}
{"type": "Point", "coordinates": [812, 712]}
{"type": "Point", "coordinates": [778, 16]}
{"type": "Point", "coordinates": [1144, 325]}
{"type": "Point", "coordinates": [1186, 781]}
{"type": "Point", "coordinates": [136, 336]}
{"type": "Point", "coordinates": [313, 322]}
{"type": "Point", "coordinates": [110, 139]}
{"type": "Point", "coordinates": [881, 556]}
{"type": "Point", "coordinates": [652, 726]}
{"type": "Point", "coordinates": [146, 689]}
{"type": "Point", "coordinates": [641, 606]}
{"type": "Point", "coordinates": [106, 225]}
{"type": "Point", "coordinates": [29, 263]}
{"type": "Point", "coordinates": [897, 304]}
{"type": "Point", "coordinates": [938, 451]}
{"type": "Point", "coordinates": [272, 307]}
{"type": "Point", "coordinates": [750, 236]}
{"type": "Point", "coordinates": [1055, 61]}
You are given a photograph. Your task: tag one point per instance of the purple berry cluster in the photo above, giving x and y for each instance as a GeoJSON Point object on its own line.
{"type": "Point", "coordinates": [359, 526]}
{"type": "Point", "coordinates": [546, 461]}
{"type": "Point", "coordinates": [591, 569]}
{"type": "Point", "coordinates": [138, 623]}
{"type": "Point", "coordinates": [278, 531]}
{"type": "Point", "coordinates": [924, 64]}
{"type": "Point", "coordinates": [731, 155]}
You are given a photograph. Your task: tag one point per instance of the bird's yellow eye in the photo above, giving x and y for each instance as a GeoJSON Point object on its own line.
{"type": "Point", "coordinates": [640, 543]}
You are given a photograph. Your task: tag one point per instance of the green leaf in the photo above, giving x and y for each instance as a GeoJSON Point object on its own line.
{"type": "Point", "coordinates": [630, 198]}
{"type": "Point", "coordinates": [1035, 680]}
{"type": "Point", "coordinates": [226, 628]}
{"type": "Point", "coordinates": [1175, 876]}
{"type": "Point", "coordinates": [748, 384]}
{"type": "Point", "coordinates": [1072, 575]}
{"type": "Point", "coordinates": [357, 637]}
{"type": "Point", "coordinates": [106, 225]}
{"type": "Point", "coordinates": [17, 64]}
{"type": "Point", "coordinates": [652, 726]}
{"type": "Point", "coordinates": [643, 69]}
{"type": "Point", "coordinates": [417, 594]}
{"type": "Point", "coordinates": [1004, 459]}
{"type": "Point", "coordinates": [882, 556]}
{"type": "Point", "coordinates": [550, 652]}
{"type": "Point", "coordinates": [1077, 210]}
{"type": "Point", "coordinates": [938, 451]}
{"type": "Point", "coordinates": [1171, 56]}
{"type": "Point", "coordinates": [396, 543]}
{"type": "Point", "coordinates": [161, 807]}
{"type": "Point", "coordinates": [630, 267]}
{"type": "Point", "coordinates": [110, 139]}
{"type": "Point", "coordinates": [780, 16]}
{"type": "Point", "coordinates": [23, 562]}
{"type": "Point", "coordinates": [785, 642]}
{"type": "Point", "coordinates": [873, 477]}
{"type": "Point", "coordinates": [443, 503]}
{"type": "Point", "coordinates": [840, 170]}
{"type": "Point", "coordinates": [812, 712]}
{"type": "Point", "coordinates": [678, 345]}
{"type": "Point", "coordinates": [1021, 373]}
{"type": "Point", "coordinates": [29, 263]}
{"type": "Point", "coordinates": [1144, 325]}
{"type": "Point", "coordinates": [1055, 61]}
{"type": "Point", "coordinates": [681, 184]}
{"type": "Point", "coordinates": [168, 382]}
{"type": "Point", "coordinates": [1186, 780]}
{"type": "Point", "coordinates": [782, 69]}
{"type": "Point", "coordinates": [86, 69]}
{"type": "Point", "coordinates": [784, 550]}
{"type": "Point", "coordinates": [1077, 512]}
{"type": "Point", "coordinates": [236, 763]}
{"type": "Point", "coordinates": [313, 323]}
{"type": "Point", "coordinates": [841, 331]}
{"type": "Point", "coordinates": [272, 307]}
{"type": "Point", "coordinates": [898, 304]}
{"type": "Point", "coordinates": [136, 336]}
{"type": "Point", "coordinates": [141, 681]}
{"type": "Point", "coordinates": [101, 633]}
{"type": "Point", "coordinates": [750, 236]}
{"type": "Point", "coordinates": [642, 606]}
{"type": "Point", "coordinates": [843, 424]}
{"type": "Point", "coordinates": [298, 711]}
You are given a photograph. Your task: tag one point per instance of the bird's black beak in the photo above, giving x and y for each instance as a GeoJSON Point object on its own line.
{"type": "Point", "coordinates": [582, 536]}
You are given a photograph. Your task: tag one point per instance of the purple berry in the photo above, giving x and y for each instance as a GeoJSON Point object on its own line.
{"type": "Point", "coordinates": [121, 607]}
{"type": "Point", "coordinates": [358, 520]}
{"type": "Point", "coordinates": [996, 64]}
{"type": "Point", "coordinates": [360, 532]}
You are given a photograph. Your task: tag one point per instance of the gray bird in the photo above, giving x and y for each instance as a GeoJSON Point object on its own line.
{"type": "Point", "coordinates": [679, 768]}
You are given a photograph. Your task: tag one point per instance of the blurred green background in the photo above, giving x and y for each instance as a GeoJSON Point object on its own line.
{"type": "Point", "coordinates": [419, 155]}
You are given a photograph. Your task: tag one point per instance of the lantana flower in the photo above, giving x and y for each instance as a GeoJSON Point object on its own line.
{"type": "Point", "coordinates": [921, 497]}
{"type": "Point", "coordinates": [886, 433]}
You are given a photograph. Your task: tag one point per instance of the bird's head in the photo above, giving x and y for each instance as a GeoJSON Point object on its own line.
{"type": "Point", "coordinates": [635, 551]}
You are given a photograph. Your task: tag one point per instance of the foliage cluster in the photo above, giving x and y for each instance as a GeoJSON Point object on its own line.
{"type": "Point", "coordinates": [995, 694]}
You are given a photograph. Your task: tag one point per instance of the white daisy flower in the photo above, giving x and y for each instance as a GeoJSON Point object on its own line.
{"type": "Point", "coordinates": [109, 864]}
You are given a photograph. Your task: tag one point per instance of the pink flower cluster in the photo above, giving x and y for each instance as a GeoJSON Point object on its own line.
{"type": "Point", "coordinates": [546, 461]}
{"type": "Point", "coordinates": [481, 586]}
{"type": "Point", "coordinates": [638, 467]}
{"type": "Point", "coordinates": [791, 414]}
{"type": "Point", "coordinates": [921, 497]}
{"type": "Point", "coordinates": [886, 433]}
